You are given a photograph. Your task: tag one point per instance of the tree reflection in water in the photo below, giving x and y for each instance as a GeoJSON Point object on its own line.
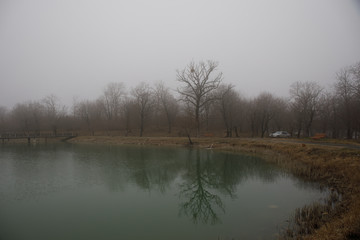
{"type": "Point", "coordinates": [200, 192]}
{"type": "Point", "coordinates": [211, 176]}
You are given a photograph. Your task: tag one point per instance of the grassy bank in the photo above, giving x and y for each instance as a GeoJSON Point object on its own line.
{"type": "Point", "coordinates": [334, 167]}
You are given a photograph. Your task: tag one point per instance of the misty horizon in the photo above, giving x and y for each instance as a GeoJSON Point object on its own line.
{"type": "Point", "coordinates": [75, 50]}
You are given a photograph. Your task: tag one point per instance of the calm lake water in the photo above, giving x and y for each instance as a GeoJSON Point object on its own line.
{"type": "Point", "coordinates": [65, 191]}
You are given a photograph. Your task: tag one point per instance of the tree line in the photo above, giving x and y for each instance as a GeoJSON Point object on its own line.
{"type": "Point", "coordinates": [202, 105]}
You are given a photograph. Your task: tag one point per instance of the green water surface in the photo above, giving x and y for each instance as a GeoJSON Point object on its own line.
{"type": "Point", "coordinates": [74, 192]}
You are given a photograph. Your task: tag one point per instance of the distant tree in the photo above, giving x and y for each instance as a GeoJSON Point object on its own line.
{"type": "Point", "coordinates": [282, 118]}
{"type": "Point", "coordinates": [3, 118]}
{"type": "Point", "coordinates": [54, 111]}
{"type": "Point", "coordinates": [21, 117]}
{"type": "Point", "coordinates": [264, 111]}
{"type": "Point", "coordinates": [88, 112]}
{"type": "Point", "coordinates": [111, 99]}
{"type": "Point", "coordinates": [143, 95]}
{"type": "Point", "coordinates": [253, 118]}
{"type": "Point", "coordinates": [355, 71]}
{"type": "Point", "coordinates": [228, 106]}
{"type": "Point", "coordinates": [27, 117]}
{"type": "Point", "coordinates": [305, 98]}
{"type": "Point", "coordinates": [198, 86]}
{"type": "Point", "coordinates": [37, 113]}
{"type": "Point", "coordinates": [267, 107]}
{"type": "Point", "coordinates": [128, 108]}
{"type": "Point", "coordinates": [167, 103]}
{"type": "Point", "coordinates": [83, 112]}
{"type": "Point", "coordinates": [345, 94]}
{"type": "Point", "coordinates": [325, 111]}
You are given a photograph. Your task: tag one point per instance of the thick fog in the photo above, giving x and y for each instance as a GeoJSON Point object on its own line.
{"type": "Point", "coordinates": [74, 48]}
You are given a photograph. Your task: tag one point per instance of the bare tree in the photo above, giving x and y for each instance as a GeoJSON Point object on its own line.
{"type": "Point", "coordinates": [345, 94]}
{"type": "Point", "coordinates": [228, 105]}
{"type": "Point", "coordinates": [143, 95]}
{"type": "Point", "coordinates": [54, 111]}
{"type": "Point", "coordinates": [37, 113]}
{"type": "Point", "coordinates": [198, 86]}
{"type": "Point", "coordinates": [282, 118]}
{"type": "Point", "coordinates": [3, 118]}
{"type": "Point", "coordinates": [111, 98]}
{"type": "Point", "coordinates": [88, 112]}
{"type": "Point", "coordinates": [252, 117]}
{"type": "Point", "coordinates": [167, 103]}
{"type": "Point", "coordinates": [305, 97]}
{"type": "Point", "coordinates": [264, 111]}
{"type": "Point", "coordinates": [128, 108]}
{"type": "Point", "coordinates": [355, 71]}
{"type": "Point", "coordinates": [27, 117]}
{"type": "Point", "coordinates": [325, 111]}
{"type": "Point", "coordinates": [22, 117]}
{"type": "Point", "coordinates": [267, 107]}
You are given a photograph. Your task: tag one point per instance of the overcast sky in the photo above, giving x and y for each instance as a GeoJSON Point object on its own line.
{"type": "Point", "coordinates": [73, 48]}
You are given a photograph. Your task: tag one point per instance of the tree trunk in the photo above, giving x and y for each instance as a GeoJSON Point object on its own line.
{"type": "Point", "coordinates": [299, 132]}
{"type": "Point", "coordinates": [349, 133]}
{"type": "Point", "coordinates": [169, 122]}
{"type": "Point", "coordinates": [197, 121]}
{"type": "Point", "coordinates": [188, 135]}
{"type": "Point", "coordinates": [141, 124]}
{"type": "Point", "coordinates": [227, 132]}
{"type": "Point", "coordinates": [236, 132]}
{"type": "Point", "coordinates": [169, 128]}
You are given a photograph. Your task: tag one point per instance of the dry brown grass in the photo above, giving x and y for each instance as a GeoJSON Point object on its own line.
{"type": "Point", "coordinates": [333, 167]}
